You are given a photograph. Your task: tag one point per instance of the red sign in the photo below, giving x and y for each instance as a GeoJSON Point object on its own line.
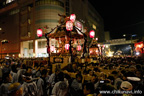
{"type": "Point", "coordinates": [39, 32]}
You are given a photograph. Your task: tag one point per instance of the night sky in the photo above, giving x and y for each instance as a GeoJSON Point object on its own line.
{"type": "Point", "coordinates": [121, 18]}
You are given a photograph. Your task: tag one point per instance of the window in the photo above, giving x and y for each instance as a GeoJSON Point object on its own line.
{"type": "Point", "coordinates": [14, 12]}
{"type": "Point", "coordinates": [67, 7]}
{"type": "Point", "coordinates": [94, 26]}
{"type": "Point", "coordinates": [42, 44]}
{"type": "Point", "coordinates": [53, 2]}
{"type": "Point", "coordinates": [31, 45]}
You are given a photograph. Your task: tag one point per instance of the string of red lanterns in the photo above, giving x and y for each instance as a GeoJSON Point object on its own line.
{"type": "Point", "coordinates": [67, 46]}
{"type": "Point", "coordinates": [69, 27]}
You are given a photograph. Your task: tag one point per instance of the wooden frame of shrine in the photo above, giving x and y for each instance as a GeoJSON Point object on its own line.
{"type": "Point", "coordinates": [94, 49]}
{"type": "Point", "coordinates": [64, 37]}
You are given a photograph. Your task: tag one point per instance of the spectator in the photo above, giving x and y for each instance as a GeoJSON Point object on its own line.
{"type": "Point", "coordinates": [52, 80]}
{"type": "Point", "coordinates": [77, 83]}
{"type": "Point", "coordinates": [29, 86]}
{"type": "Point", "coordinates": [111, 78]}
{"type": "Point", "coordinates": [107, 87]}
{"type": "Point", "coordinates": [14, 73]}
{"type": "Point", "coordinates": [41, 84]}
{"type": "Point", "coordinates": [88, 89]}
{"type": "Point", "coordinates": [20, 73]}
{"type": "Point", "coordinates": [61, 87]}
{"type": "Point", "coordinates": [6, 78]}
{"type": "Point", "coordinates": [72, 68]}
{"type": "Point", "coordinates": [15, 89]}
{"type": "Point", "coordinates": [126, 86]}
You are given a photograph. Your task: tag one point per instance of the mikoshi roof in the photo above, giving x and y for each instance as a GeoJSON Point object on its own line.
{"type": "Point", "coordinates": [62, 32]}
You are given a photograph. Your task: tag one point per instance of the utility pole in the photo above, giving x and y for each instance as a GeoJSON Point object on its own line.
{"type": "Point", "coordinates": [131, 35]}
{"type": "Point", "coordinates": [131, 47]}
{"type": "Point", "coordinates": [1, 50]}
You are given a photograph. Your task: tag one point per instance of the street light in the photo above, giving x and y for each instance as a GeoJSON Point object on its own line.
{"type": "Point", "coordinates": [131, 35]}
{"type": "Point", "coordinates": [68, 22]}
{"type": "Point", "coordinates": [124, 35]}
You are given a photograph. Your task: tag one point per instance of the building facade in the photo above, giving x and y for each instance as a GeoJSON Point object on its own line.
{"type": "Point", "coordinates": [20, 19]}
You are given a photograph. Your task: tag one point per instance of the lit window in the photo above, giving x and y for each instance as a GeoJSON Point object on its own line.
{"type": "Point", "coordinates": [94, 27]}
{"type": "Point", "coordinates": [9, 1]}
{"type": "Point", "coordinates": [42, 44]}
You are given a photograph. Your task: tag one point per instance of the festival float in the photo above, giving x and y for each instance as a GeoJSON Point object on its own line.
{"type": "Point", "coordinates": [139, 48]}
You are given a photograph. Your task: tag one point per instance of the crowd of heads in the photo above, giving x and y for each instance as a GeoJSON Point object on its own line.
{"type": "Point", "coordinates": [20, 78]}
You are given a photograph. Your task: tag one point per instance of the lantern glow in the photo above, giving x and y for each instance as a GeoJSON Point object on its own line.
{"type": "Point", "coordinates": [78, 48]}
{"type": "Point", "coordinates": [140, 45]}
{"type": "Point", "coordinates": [67, 46]}
{"type": "Point", "coordinates": [72, 17]}
{"type": "Point", "coordinates": [92, 34]}
{"type": "Point", "coordinates": [39, 32]}
{"type": "Point", "coordinates": [96, 39]}
{"type": "Point", "coordinates": [137, 53]}
{"type": "Point", "coordinates": [69, 26]}
{"type": "Point", "coordinates": [78, 25]}
{"type": "Point", "coordinates": [52, 48]}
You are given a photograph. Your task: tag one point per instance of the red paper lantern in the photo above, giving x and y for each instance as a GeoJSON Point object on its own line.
{"type": "Point", "coordinates": [78, 48]}
{"type": "Point", "coordinates": [39, 32]}
{"type": "Point", "coordinates": [67, 46]}
{"type": "Point", "coordinates": [92, 34]}
{"type": "Point", "coordinates": [52, 48]}
{"type": "Point", "coordinates": [72, 17]}
{"type": "Point", "coordinates": [69, 26]}
{"type": "Point", "coordinates": [78, 25]}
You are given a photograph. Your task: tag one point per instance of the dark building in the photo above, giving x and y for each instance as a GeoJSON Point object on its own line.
{"type": "Point", "coordinates": [19, 20]}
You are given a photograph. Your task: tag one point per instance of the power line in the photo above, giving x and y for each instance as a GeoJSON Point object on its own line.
{"type": "Point", "coordinates": [130, 25]}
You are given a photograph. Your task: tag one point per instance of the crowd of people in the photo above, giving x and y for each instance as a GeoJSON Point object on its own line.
{"type": "Point", "coordinates": [108, 76]}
